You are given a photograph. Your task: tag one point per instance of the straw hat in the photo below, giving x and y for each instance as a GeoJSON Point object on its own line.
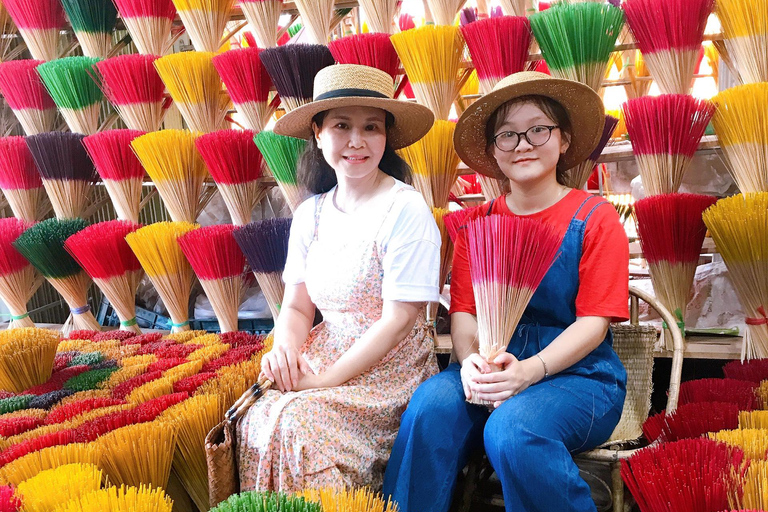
{"type": "Point", "coordinates": [584, 108]}
{"type": "Point", "coordinates": [351, 85]}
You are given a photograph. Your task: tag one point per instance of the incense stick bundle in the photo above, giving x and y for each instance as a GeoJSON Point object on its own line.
{"type": "Point", "coordinates": [25, 93]}
{"type": "Point", "coordinates": [444, 11]}
{"type": "Point", "coordinates": [492, 187]}
{"type": "Point", "coordinates": [67, 482]}
{"type": "Point", "coordinates": [195, 86]}
{"type": "Point", "coordinates": [690, 421]}
{"type": "Point", "coordinates": [40, 23]}
{"type": "Point", "coordinates": [293, 68]}
{"type": "Point", "coordinates": [743, 134]}
{"type": "Point", "coordinates": [446, 257]}
{"type": "Point", "coordinates": [508, 258]}
{"type": "Point", "coordinates": [745, 31]}
{"type": "Point", "coordinates": [577, 40]}
{"type": "Point", "coordinates": [669, 34]}
{"type": "Point", "coordinates": [66, 171]}
{"type": "Point", "coordinates": [121, 499]}
{"type": "Point", "coordinates": [263, 16]}
{"type": "Point", "coordinates": [671, 233]}
{"type": "Point", "coordinates": [498, 47]}
{"type": "Point", "coordinates": [132, 85]}
{"type": "Point", "coordinates": [205, 21]}
{"type": "Point", "coordinates": [248, 84]}
{"type": "Point", "coordinates": [267, 500]}
{"type": "Point", "coordinates": [755, 370]}
{"type": "Point", "coordinates": [685, 476]}
{"type": "Point", "coordinates": [103, 253]}
{"type": "Point", "coordinates": [20, 180]}
{"type": "Point", "coordinates": [349, 500]}
{"type": "Point", "coordinates": [380, 14]}
{"type": "Point", "coordinates": [119, 168]}
{"type": "Point", "coordinates": [149, 23]}
{"type": "Point", "coordinates": [435, 163]}
{"type": "Point", "coordinates": [174, 165]}
{"type": "Point", "coordinates": [373, 49]}
{"type": "Point", "coordinates": [43, 246]}
{"type": "Point", "coordinates": [160, 256]}
{"type": "Point", "coordinates": [751, 491]}
{"type": "Point", "coordinates": [139, 454]}
{"type": "Point", "coordinates": [431, 56]}
{"type": "Point", "coordinates": [737, 392]}
{"type": "Point", "coordinates": [316, 17]}
{"type": "Point", "coordinates": [578, 176]}
{"type": "Point", "coordinates": [93, 22]}
{"type": "Point", "coordinates": [282, 155]}
{"type": "Point", "coordinates": [753, 442]}
{"type": "Point", "coordinates": [265, 245]}
{"type": "Point", "coordinates": [739, 226]}
{"type": "Point", "coordinates": [219, 264]}
{"type": "Point", "coordinates": [72, 87]}
{"type": "Point", "coordinates": [26, 357]}
{"type": "Point", "coordinates": [236, 165]}
{"type": "Point", "coordinates": [665, 132]}
{"type": "Point", "coordinates": [513, 7]}
{"type": "Point", "coordinates": [18, 280]}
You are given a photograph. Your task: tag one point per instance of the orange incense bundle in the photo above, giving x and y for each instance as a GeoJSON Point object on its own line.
{"type": "Point", "coordinates": [669, 34]}
{"type": "Point", "coordinates": [498, 47]}
{"type": "Point", "coordinates": [248, 84]}
{"type": "Point", "coordinates": [219, 264]}
{"type": "Point", "coordinates": [132, 85]}
{"type": "Point", "coordinates": [149, 23]}
{"type": "Point", "coordinates": [508, 258]}
{"type": "Point", "coordinates": [104, 254]}
{"type": "Point", "coordinates": [25, 93]}
{"type": "Point", "coordinates": [665, 132]}
{"type": "Point", "coordinates": [671, 232]}
{"type": "Point", "coordinates": [18, 280]}
{"type": "Point", "coordinates": [20, 180]}
{"type": "Point", "coordinates": [120, 170]}
{"type": "Point", "coordinates": [40, 23]}
{"type": "Point", "coordinates": [373, 49]}
{"type": "Point", "coordinates": [236, 165]}
{"type": "Point", "coordinates": [263, 16]}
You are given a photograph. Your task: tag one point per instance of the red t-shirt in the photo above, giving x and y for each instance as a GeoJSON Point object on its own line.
{"type": "Point", "coordinates": [603, 269]}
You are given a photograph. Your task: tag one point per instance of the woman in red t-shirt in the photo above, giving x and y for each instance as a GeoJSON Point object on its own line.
{"type": "Point", "coordinates": [561, 388]}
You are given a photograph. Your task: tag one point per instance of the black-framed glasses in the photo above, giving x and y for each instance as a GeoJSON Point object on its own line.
{"type": "Point", "coordinates": [535, 135]}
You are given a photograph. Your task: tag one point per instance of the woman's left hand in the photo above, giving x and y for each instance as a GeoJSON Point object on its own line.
{"type": "Point", "coordinates": [311, 381]}
{"type": "Point", "coordinates": [515, 376]}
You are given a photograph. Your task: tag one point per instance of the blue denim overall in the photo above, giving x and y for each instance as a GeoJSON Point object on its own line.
{"type": "Point", "coordinates": [531, 437]}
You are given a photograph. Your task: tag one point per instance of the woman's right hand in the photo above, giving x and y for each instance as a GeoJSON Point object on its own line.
{"type": "Point", "coordinates": [471, 366]}
{"type": "Point", "coordinates": [284, 366]}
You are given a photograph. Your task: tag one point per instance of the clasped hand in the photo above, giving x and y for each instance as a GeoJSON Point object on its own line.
{"type": "Point", "coordinates": [288, 370]}
{"type": "Point", "coordinates": [479, 379]}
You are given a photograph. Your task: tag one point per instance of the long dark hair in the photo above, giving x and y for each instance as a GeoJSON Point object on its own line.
{"type": "Point", "coordinates": [318, 177]}
{"type": "Point", "coordinates": [550, 107]}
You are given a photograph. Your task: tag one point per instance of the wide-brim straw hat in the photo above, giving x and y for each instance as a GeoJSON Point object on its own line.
{"type": "Point", "coordinates": [351, 85]}
{"type": "Point", "coordinates": [584, 108]}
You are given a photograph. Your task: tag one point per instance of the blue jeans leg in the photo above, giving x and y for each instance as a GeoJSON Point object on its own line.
{"type": "Point", "coordinates": [530, 440]}
{"type": "Point", "coordinates": [439, 429]}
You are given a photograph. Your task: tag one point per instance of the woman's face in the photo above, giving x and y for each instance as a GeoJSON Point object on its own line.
{"type": "Point", "coordinates": [353, 139]}
{"type": "Point", "coordinates": [528, 164]}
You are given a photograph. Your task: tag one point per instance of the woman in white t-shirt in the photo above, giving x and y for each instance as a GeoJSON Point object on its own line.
{"type": "Point", "coordinates": [365, 251]}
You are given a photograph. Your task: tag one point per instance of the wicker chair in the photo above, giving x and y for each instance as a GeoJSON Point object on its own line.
{"type": "Point", "coordinates": [634, 345]}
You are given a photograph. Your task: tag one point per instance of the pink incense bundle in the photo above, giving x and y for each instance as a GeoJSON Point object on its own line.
{"type": "Point", "coordinates": [739, 392]}
{"type": "Point", "coordinates": [236, 165]}
{"type": "Point", "coordinates": [665, 132]}
{"type": "Point", "coordinates": [25, 93]}
{"type": "Point", "coordinates": [39, 22]}
{"type": "Point", "coordinates": [692, 475]}
{"type": "Point", "coordinates": [131, 83]}
{"type": "Point", "coordinates": [690, 421]}
{"type": "Point", "coordinates": [219, 264]}
{"type": "Point", "coordinates": [672, 232]}
{"type": "Point", "coordinates": [669, 35]}
{"type": "Point", "coordinates": [754, 370]}
{"type": "Point", "coordinates": [248, 84]}
{"type": "Point", "coordinates": [372, 49]}
{"type": "Point", "coordinates": [149, 23]}
{"type": "Point", "coordinates": [18, 279]}
{"type": "Point", "coordinates": [120, 170]}
{"type": "Point", "coordinates": [104, 254]}
{"type": "Point", "coordinates": [498, 47]}
{"type": "Point", "coordinates": [508, 258]}
{"type": "Point", "coordinates": [20, 180]}
{"type": "Point", "coordinates": [263, 16]}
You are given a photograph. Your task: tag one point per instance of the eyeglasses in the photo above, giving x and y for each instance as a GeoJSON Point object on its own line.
{"type": "Point", "coordinates": [535, 135]}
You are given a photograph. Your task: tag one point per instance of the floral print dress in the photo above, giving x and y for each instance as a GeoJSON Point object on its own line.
{"type": "Point", "coordinates": [340, 436]}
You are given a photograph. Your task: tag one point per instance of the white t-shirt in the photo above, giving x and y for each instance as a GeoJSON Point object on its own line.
{"type": "Point", "coordinates": [408, 237]}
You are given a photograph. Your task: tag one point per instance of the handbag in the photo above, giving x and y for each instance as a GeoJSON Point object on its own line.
{"type": "Point", "coordinates": [221, 447]}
